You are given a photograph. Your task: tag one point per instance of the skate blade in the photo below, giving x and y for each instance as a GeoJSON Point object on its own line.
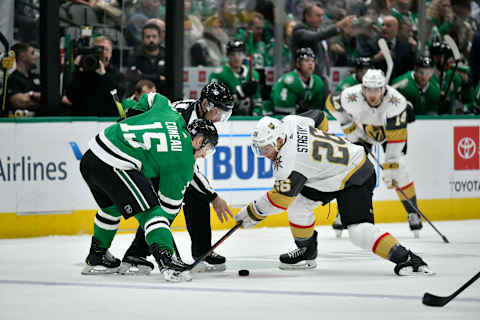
{"type": "Point", "coordinates": [416, 234]}
{"type": "Point", "coordinates": [130, 269]}
{"type": "Point", "coordinates": [207, 267]}
{"type": "Point", "coordinates": [422, 271]}
{"type": "Point", "coordinates": [98, 270]}
{"type": "Point", "coordinates": [338, 233]}
{"type": "Point", "coordinates": [302, 265]}
{"type": "Point", "coordinates": [176, 276]}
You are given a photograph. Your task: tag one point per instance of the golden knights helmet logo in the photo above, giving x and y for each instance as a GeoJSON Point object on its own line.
{"type": "Point", "coordinates": [271, 126]}
{"type": "Point", "coordinates": [377, 133]}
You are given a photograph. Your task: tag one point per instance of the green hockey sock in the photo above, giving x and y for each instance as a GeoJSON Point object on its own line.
{"type": "Point", "coordinates": [156, 225]}
{"type": "Point", "coordinates": [106, 225]}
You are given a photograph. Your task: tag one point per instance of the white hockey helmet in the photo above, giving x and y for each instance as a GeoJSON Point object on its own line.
{"type": "Point", "coordinates": [266, 133]}
{"type": "Point", "coordinates": [374, 78]}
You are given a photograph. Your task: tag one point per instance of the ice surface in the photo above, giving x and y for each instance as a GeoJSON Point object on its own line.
{"type": "Point", "coordinates": [40, 279]}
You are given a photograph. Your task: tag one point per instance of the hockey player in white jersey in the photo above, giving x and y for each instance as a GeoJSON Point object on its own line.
{"type": "Point", "coordinates": [311, 168]}
{"type": "Point", "coordinates": [375, 113]}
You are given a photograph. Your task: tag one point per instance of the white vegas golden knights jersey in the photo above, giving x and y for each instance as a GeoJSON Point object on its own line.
{"type": "Point", "coordinates": [311, 161]}
{"type": "Point", "coordinates": [325, 160]}
{"type": "Point", "coordinates": [387, 122]}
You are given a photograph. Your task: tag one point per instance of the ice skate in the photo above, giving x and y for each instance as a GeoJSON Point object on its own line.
{"type": "Point", "coordinates": [100, 261]}
{"type": "Point", "coordinates": [172, 269]}
{"type": "Point", "coordinates": [338, 226]}
{"type": "Point", "coordinates": [135, 266]}
{"type": "Point", "coordinates": [212, 263]}
{"type": "Point", "coordinates": [301, 258]}
{"type": "Point", "coordinates": [413, 265]}
{"type": "Point", "coordinates": [415, 223]}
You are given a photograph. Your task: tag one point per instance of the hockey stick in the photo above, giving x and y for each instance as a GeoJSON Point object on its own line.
{"type": "Point", "coordinates": [457, 56]}
{"type": "Point", "coordinates": [250, 56]}
{"type": "Point", "coordinates": [121, 112]}
{"type": "Point", "coordinates": [436, 301]}
{"type": "Point", "coordinates": [410, 202]}
{"type": "Point", "coordinates": [6, 46]}
{"type": "Point", "coordinates": [219, 242]}
{"type": "Point", "coordinates": [382, 44]}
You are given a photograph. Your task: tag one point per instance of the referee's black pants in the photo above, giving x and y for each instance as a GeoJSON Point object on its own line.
{"type": "Point", "coordinates": [196, 210]}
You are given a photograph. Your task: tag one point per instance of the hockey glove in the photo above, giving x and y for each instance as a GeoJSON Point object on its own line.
{"type": "Point", "coordinates": [390, 174]}
{"type": "Point", "coordinates": [249, 88]}
{"type": "Point", "coordinates": [9, 61]}
{"type": "Point", "coordinates": [352, 131]}
{"type": "Point", "coordinates": [243, 217]}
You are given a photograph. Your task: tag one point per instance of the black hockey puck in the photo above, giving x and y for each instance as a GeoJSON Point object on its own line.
{"type": "Point", "coordinates": [243, 273]}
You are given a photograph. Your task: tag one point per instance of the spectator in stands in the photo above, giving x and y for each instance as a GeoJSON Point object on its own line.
{"type": "Point", "coordinates": [209, 50]}
{"type": "Point", "coordinates": [90, 89]}
{"type": "Point", "coordinates": [401, 11]}
{"type": "Point", "coordinates": [255, 45]}
{"type": "Point", "coordinates": [161, 25]}
{"type": "Point", "coordinates": [343, 48]}
{"type": "Point", "coordinates": [299, 90]}
{"type": "Point", "coordinates": [310, 34]}
{"type": "Point", "coordinates": [149, 62]}
{"type": "Point", "coordinates": [141, 87]}
{"type": "Point", "coordinates": [193, 30]}
{"type": "Point", "coordinates": [474, 59]}
{"type": "Point", "coordinates": [362, 64]}
{"type": "Point", "coordinates": [240, 79]}
{"type": "Point", "coordinates": [406, 32]}
{"type": "Point", "coordinates": [147, 9]}
{"type": "Point", "coordinates": [401, 51]}
{"type": "Point", "coordinates": [286, 54]}
{"type": "Point", "coordinates": [23, 87]}
{"type": "Point", "coordinates": [440, 13]}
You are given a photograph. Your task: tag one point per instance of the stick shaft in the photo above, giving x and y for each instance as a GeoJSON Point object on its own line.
{"type": "Point", "coordinates": [219, 242]}
{"type": "Point", "coordinates": [410, 202]}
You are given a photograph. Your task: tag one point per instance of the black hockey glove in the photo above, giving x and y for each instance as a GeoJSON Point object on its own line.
{"type": "Point", "coordinates": [249, 88]}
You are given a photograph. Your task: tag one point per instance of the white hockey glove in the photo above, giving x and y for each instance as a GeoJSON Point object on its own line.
{"type": "Point", "coordinates": [391, 174]}
{"type": "Point", "coordinates": [243, 217]}
{"type": "Point", "coordinates": [352, 132]}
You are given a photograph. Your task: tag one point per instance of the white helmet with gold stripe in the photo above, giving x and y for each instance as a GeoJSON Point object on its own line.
{"type": "Point", "coordinates": [266, 133]}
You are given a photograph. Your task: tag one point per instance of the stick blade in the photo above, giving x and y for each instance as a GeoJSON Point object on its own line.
{"type": "Point", "coordinates": [451, 43]}
{"type": "Point", "coordinates": [433, 300]}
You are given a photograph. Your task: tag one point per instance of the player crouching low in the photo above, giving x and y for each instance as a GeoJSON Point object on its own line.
{"type": "Point", "coordinates": [118, 169]}
{"type": "Point", "coordinates": [312, 167]}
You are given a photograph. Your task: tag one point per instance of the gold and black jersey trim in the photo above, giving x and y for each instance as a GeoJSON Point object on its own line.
{"type": "Point", "coordinates": [333, 103]}
{"type": "Point", "coordinates": [253, 214]}
{"type": "Point", "coordinates": [350, 129]}
{"type": "Point", "coordinates": [396, 135]}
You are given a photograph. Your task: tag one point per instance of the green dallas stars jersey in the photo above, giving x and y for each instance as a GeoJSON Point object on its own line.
{"type": "Point", "coordinates": [424, 101]}
{"type": "Point", "coordinates": [156, 143]}
{"type": "Point", "coordinates": [290, 95]}
{"type": "Point", "coordinates": [234, 81]}
{"type": "Point", "coordinates": [349, 81]}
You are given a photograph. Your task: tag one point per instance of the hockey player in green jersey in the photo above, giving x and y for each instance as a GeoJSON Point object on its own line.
{"type": "Point", "coordinates": [299, 90]}
{"type": "Point", "coordinates": [243, 82]}
{"type": "Point", "coordinates": [118, 169]}
{"type": "Point", "coordinates": [362, 64]}
{"type": "Point", "coordinates": [419, 88]}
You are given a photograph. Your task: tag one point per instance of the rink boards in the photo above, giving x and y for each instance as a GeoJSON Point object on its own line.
{"type": "Point", "coordinates": [42, 192]}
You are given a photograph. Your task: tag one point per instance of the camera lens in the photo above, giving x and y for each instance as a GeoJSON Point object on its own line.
{"type": "Point", "coordinates": [89, 62]}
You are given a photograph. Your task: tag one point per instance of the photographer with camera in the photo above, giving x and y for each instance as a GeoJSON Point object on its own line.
{"type": "Point", "coordinates": [93, 79]}
{"type": "Point", "coordinates": [23, 91]}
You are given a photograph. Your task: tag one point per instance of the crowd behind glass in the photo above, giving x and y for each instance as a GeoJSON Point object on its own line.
{"type": "Point", "coordinates": [120, 45]}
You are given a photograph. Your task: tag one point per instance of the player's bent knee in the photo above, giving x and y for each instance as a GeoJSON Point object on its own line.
{"type": "Point", "coordinates": [364, 235]}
